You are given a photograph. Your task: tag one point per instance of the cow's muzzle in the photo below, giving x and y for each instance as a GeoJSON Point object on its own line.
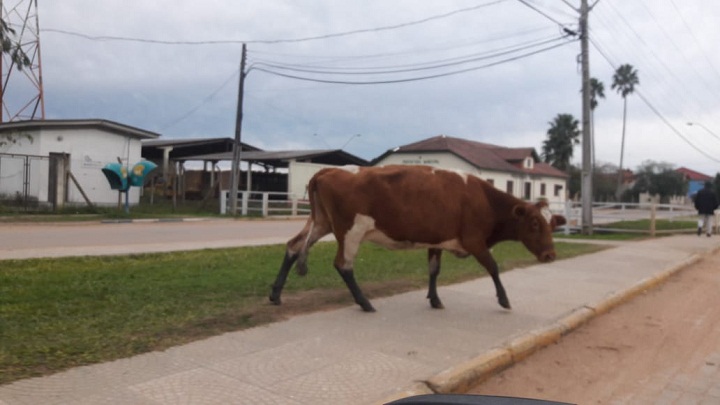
{"type": "Point", "coordinates": [547, 256]}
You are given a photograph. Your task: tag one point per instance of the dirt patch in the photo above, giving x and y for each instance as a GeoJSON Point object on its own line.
{"type": "Point", "coordinates": [661, 347]}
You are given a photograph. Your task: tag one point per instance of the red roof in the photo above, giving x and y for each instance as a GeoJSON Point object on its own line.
{"type": "Point", "coordinates": [693, 175]}
{"type": "Point", "coordinates": [481, 155]}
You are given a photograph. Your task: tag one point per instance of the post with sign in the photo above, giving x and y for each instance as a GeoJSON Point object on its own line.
{"type": "Point", "coordinates": [120, 179]}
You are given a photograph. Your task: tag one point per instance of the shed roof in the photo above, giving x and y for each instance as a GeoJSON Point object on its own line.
{"type": "Point", "coordinates": [181, 148]}
{"type": "Point", "coordinates": [283, 158]}
{"type": "Point", "coordinates": [70, 124]}
{"type": "Point", "coordinates": [481, 155]}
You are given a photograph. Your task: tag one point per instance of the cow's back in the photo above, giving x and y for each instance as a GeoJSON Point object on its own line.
{"type": "Point", "coordinates": [406, 203]}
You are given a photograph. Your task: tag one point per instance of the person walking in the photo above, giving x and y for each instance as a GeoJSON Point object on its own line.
{"type": "Point", "coordinates": [705, 203]}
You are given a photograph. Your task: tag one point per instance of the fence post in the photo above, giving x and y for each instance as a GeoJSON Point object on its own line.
{"type": "Point", "coordinates": [223, 201]}
{"type": "Point", "coordinates": [245, 196]}
{"type": "Point", "coordinates": [294, 210]}
{"type": "Point", "coordinates": [567, 217]}
{"type": "Point", "coordinates": [653, 207]}
{"type": "Point", "coordinates": [265, 204]}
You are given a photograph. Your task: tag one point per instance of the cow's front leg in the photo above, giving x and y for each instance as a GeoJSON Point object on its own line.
{"type": "Point", "coordinates": [486, 259]}
{"type": "Point", "coordinates": [348, 275]}
{"type": "Point", "coordinates": [434, 270]}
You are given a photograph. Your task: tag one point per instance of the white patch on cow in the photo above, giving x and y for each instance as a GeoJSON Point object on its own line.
{"type": "Point", "coordinates": [361, 226]}
{"type": "Point", "coordinates": [463, 175]}
{"type": "Point", "coordinates": [545, 211]}
{"type": "Point", "coordinates": [350, 168]}
{"type": "Point", "coordinates": [364, 229]}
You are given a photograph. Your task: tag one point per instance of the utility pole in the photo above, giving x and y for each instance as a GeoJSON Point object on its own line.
{"type": "Point", "coordinates": [237, 146]}
{"type": "Point", "coordinates": [587, 169]}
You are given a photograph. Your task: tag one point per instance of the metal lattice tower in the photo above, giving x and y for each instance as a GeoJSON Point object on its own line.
{"type": "Point", "coordinates": [22, 90]}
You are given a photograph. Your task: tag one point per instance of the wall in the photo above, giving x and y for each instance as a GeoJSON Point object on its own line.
{"type": "Point", "coordinates": [90, 150]}
{"type": "Point", "coordinates": [299, 175]}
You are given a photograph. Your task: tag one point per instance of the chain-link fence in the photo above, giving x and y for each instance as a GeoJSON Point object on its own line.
{"type": "Point", "coordinates": [21, 185]}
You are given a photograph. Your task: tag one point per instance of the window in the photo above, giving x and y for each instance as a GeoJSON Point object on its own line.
{"type": "Point", "coordinates": [542, 189]}
{"type": "Point", "coordinates": [529, 163]}
{"type": "Point", "coordinates": [509, 187]}
{"type": "Point", "coordinates": [558, 189]}
{"type": "Point", "coordinates": [528, 191]}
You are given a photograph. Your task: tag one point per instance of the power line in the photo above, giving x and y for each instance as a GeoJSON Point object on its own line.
{"type": "Point", "coordinates": [655, 110]}
{"type": "Point", "coordinates": [460, 60]}
{"type": "Point", "coordinates": [410, 79]}
{"type": "Point", "coordinates": [537, 10]}
{"type": "Point", "coordinates": [272, 41]}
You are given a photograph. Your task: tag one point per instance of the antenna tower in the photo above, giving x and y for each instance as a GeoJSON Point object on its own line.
{"type": "Point", "coordinates": [22, 90]}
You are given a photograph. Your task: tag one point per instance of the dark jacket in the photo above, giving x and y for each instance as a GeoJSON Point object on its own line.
{"type": "Point", "coordinates": [705, 201]}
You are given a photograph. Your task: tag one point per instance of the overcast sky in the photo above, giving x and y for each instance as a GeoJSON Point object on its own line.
{"type": "Point", "coordinates": [502, 71]}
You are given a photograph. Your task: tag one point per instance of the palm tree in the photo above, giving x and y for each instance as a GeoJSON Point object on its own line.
{"type": "Point", "coordinates": [597, 90]}
{"type": "Point", "coordinates": [563, 135]}
{"type": "Point", "coordinates": [624, 81]}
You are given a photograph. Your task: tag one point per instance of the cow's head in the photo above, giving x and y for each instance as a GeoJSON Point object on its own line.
{"type": "Point", "coordinates": [535, 226]}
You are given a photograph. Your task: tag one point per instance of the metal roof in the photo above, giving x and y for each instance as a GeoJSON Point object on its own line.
{"type": "Point", "coordinates": [282, 158]}
{"type": "Point", "coordinates": [110, 126]}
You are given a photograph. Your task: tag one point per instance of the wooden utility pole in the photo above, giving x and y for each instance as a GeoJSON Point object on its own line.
{"type": "Point", "coordinates": [237, 146]}
{"type": "Point", "coordinates": [587, 169]}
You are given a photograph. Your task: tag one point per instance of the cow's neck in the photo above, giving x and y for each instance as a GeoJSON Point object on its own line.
{"type": "Point", "coordinates": [506, 224]}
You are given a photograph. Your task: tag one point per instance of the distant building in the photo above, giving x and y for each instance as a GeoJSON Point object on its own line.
{"type": "Point", "coordinates": [517, 171]}
{"type": "Point", "coordinates": [695, 180]}
{"type": "Point", "coordinates": [44, 156]}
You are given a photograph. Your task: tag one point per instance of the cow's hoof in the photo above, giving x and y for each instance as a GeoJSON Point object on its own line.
{"type": "Point", "coordinates": [275, 300]}
{"type": "Point", "coordinates": [366, 306]}
{"type": "Point", "coordinates": [504, 302]}
{"type": "Point", "coordinates": [301, 268]}
{"type": "Point", "coordinates": [436, 303]}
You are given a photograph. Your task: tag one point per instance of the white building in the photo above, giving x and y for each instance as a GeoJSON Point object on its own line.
{"type": "Point", "coordinates": [54, 162]}
{"type": "Point", "coordinates": [517, 171]}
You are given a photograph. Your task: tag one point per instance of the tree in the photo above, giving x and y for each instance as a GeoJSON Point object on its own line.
{"type": "Point", "coordinates": [12, 48]}
{"type": "Point", "coordinates": [562, 136]}
{"type": "Point", "coordinates": [624, 81]}
{"type": "Point", "coordinates": [659, 179]}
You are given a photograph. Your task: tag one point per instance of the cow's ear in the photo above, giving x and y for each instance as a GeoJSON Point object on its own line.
{"type": "Point", "coordinates": [519, 210]}
{"type": "Point", "coordinates": [559, 220]}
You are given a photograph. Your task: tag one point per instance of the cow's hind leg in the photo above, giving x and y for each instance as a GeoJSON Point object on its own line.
{"type": "Point", "coordinates": [344, 266]}
{"type": "Point", "coordinates": [434, 270]}
{"type": "Point", "coordinates": [297, 250]}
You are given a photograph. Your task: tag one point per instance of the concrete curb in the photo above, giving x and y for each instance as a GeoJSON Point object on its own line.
{"type": "Point", "coordinates": [458, 379]}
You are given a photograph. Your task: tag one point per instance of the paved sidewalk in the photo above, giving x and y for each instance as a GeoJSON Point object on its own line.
{"type": "Point", "coordinates": [347, 356]}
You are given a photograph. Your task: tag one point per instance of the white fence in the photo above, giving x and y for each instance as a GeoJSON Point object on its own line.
{"type": "Point", "coordinates": [265, 204]}
{"type": "Point", "coordinates": [606, 214]}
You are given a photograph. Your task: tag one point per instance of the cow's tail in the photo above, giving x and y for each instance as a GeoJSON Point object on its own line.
{"type": "Point", "coordinates": [310, 231]}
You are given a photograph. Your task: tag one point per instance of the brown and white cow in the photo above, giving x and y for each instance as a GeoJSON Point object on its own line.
{"type": "Point", "coordinates": [405, 207]}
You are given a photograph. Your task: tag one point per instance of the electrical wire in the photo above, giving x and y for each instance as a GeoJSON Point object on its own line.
{"type": "Point", "coordinates": [654, 109]}
{"type": "Point", "coordinates": [274, 41]}
{"type": "Point", "coordinates": [408, 79]}
{"type": "Point", "coordinates": [460, 60]}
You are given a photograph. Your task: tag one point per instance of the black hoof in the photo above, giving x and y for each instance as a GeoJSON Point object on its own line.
{"type": "Point", "coordinates": [366, 306]}
{"type": "Point", "coordinates": [275, 300]}
{"type": "Point", "coordinates": [436, 303]}
{"type": "Point", "coordinates": [504, 302]}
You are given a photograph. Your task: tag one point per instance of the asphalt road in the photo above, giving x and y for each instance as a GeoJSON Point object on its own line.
{"type": "Point", "coordinates": [28, 240]}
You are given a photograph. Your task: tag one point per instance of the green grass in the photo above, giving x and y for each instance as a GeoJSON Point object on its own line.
{"type": "Point", "coordinates": [61, 313]}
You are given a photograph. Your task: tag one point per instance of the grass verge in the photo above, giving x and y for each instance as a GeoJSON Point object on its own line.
{"type": "Point", "coordinates": [62, 313]}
